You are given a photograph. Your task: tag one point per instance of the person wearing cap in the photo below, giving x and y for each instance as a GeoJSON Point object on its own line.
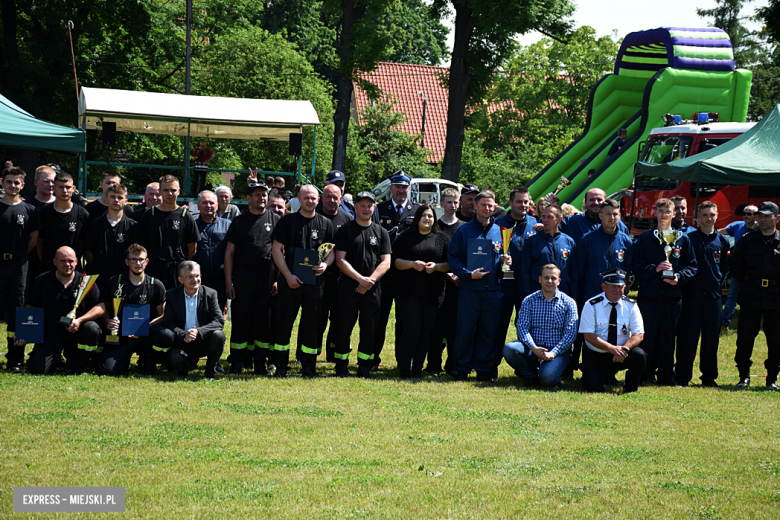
{"type": "Point", "coordinates": [755, 264]}
{"type": "Point", "coordinates": [337, 178]}
{"type": "Point", "coordinates": [660, 298]}
{"type": "Point", "coordinates": [546, 328]}
{"type": "Point", "coordinates": [736, 229]}
{"type": "Point", "coordinates": [306, 229]}
{"type": "Point", "coordinates": [479, 298]}
{"type": "Point", "coordinates": [701, 309]}
{"type": "Point", "coordinates": [613, 329]}
{"type": "Point", "coordinates": [248, 263]}
{"type": "Point", "coordinates": [395, 215]}
{"type": "Point", "coordinates": [363, 254]}
{"type": "Point", "coordinates": [551, 246]}
{"type": "Point", "coordinates": [467, 207]}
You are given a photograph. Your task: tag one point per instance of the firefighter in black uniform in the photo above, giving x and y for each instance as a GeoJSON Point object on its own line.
{"type": "Point", "coordinates": [304, 229]}
{"type": "Point", "coordinates": [756, 265]}
{"type": "Point", "coordinates": [170, 234]}
{"type": "Point", "coordinates": [62, 223]}
{"type": "Point", "coordinates": [363, 254]}
{"type": "Point", "coordinates": [395, 216]}
{"type": "Point", "coordinates": [248, 263]}
{"type": "Point", "coordinates": [19, 224]}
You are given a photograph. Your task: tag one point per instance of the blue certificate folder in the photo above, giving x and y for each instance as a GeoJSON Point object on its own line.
{"type": "Point", "coordinates": [303, 262]}
{"type": "Point", "coordinates": [29, 324]}
{"type": "Point", "coordinates": [480, 255]}
{"type": "Point", "coordinates": [135, 320]}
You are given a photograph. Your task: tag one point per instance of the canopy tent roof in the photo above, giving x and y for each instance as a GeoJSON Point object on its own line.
{"type": "Point", "coordinates": [753, 158]}
{"type": "Point", "coordinates": [198, 116]}
{"type": "Point", "coordinates": [20, 129]}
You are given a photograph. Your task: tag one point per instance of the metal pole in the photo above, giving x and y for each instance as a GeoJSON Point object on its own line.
{"type": "Point", "coordinates": [314, 153]}
{"type": "Point", "coordinates": [422, 131]}
{"type": "Point", "coordinates": [187, 87]}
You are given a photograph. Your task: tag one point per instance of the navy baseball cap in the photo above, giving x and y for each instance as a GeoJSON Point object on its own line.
{"type": "Point", "coordinates": [615, 276]}
{"type": "Point", "coordinates": [364, 195]}
{"type": "Point", "coordinates": [254, 185]}
{"type": "Point", "coordinates": [469, 188]}
{"type": "Point", "coordinates": [400, 178]}
{"type": "Point", "coordinates": [768, 208]}
{"type": "Point", "coordinates": [335, 176]}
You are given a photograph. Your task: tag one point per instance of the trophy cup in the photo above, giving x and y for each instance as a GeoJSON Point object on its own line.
{"type": "Point", "coordinates": [564, 182]}
{"type": "Point", "coordinates": [113, 338]}
{"type": "Point", "coordinates": [324, 250]}
{"type": "Point", "coordinates": [85, 285]}
{"type": "Point", "coordinates": [667, 238]}
{"type": "Point", "coordinates": [506, 238]}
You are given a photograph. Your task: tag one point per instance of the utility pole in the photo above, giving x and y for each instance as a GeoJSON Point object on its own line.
{"type": "Point", "coordinates": [422, 132]}
{"type": "Point", "coordinates": [187, 87]}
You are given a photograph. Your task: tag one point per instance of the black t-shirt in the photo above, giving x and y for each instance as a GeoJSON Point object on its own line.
{"type": "Point", "coordinates": [137, 211]}
{"type": "Point", "coordinates": [61, 229]}
{"type": "Point", "coordinates": [251, 235]}
{"type": "Point", "coordinates": [338, 220]}
{"type": "Point", "coordinates": [16, 223]}
{"type": "Point", "coordinates": [58, 300]}
{"type": "Point", "coordinates": [364, 246]}
{"type": "Point", "coordinates": [37, 204]}
{"type": "Point", "coordinates": [428, 248]}
{"type": "Point", "coordinates": [149, 292]}
{"type": "Point", "coordinates": [167, 233]}
{"type": "Point", "coordinates": [450, 229]}
{"type": "Point", "coordinates": [95, 209]}
{"type": "Point", "coordinates": [108, 244]}
{"type": "Point", "coordinates": [296, 231]}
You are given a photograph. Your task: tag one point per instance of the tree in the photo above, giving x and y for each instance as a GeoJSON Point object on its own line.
{"type": "Point", "coordinates": [483, 38]}
{"type": "Point", "coordinates": [419, 37]}
{"type": "Point", "coordinates": [726, 16]}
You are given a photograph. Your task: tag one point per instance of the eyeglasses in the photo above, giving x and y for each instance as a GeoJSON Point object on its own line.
{"type": "Point", "coordinates": [749, 214]}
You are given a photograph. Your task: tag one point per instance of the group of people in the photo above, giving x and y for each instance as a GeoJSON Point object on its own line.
{"type": "Point", "coordinates": [335, 264]}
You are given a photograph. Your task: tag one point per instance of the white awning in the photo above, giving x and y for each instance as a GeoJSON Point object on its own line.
{"type": "Point", "coordinates": [213, 117]}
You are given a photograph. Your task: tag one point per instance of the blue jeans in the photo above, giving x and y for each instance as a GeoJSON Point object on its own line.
{"type": "Point", "coordinates": [528, 365]}
{"type": "Point", "coordinates": [731, 303]}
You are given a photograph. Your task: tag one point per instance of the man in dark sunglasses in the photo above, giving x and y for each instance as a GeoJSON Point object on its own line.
{"type": "Point", "coordinates": [736, 229]}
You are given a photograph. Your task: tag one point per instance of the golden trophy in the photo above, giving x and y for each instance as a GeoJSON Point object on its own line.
{"type": "Point", "coordinates": [113, 338]}
{"type": "Point", "coordinates": [506, 239]}
{"type": "Point", "coordinates": [324, 250]}
{"type": "Point", "coordinates": [85, 285]}
{"type": "Point", "coordinates": [564, 182]}
{"type": "Point", "coordinates": [667, 238]}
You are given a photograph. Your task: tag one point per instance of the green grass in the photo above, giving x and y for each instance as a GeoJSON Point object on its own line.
{"type": "Point", "coordinates": [250, 447]}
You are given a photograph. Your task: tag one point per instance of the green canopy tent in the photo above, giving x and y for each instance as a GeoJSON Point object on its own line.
{"type": "Point", "coordinates": [19, 129]}
{"type": "Point", "coordinates": [753, 158]}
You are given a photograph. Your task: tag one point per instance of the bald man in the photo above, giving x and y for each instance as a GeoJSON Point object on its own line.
{"type": "Point", "coordinates": [152, 198]}
{"type": "Point", "coordinates": [55, 292]}
{"type": "Point", "coordinates": [307, 230]}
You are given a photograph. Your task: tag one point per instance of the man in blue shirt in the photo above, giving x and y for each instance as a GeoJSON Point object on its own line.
{"type": "Point", "coordinates": [701, 301]}
{"type": "Point", "coordinates": [549, 247]}
{"type": "Point", "coordinates": [736, 230]}
{"type": "Point", "coordinates": [211, 246]}
{"type": "Point", "coordinates": [479, 299]}
{"type": "Point", "coordinates": [522, 226]}
{"type": "Point", "coordinates": [546, 328]}
{"type": "Point", "coordinates": [577, 226]}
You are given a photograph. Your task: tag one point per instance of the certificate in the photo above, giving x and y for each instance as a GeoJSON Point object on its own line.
{"type": "Point", "coordinates": [480, 254]}
{"type": "Point", "coordinates": [29, 324]}
{"type": "Point", "coordinates": [303, 262]}
{"type": "Point", "coordinates": [135, 320]}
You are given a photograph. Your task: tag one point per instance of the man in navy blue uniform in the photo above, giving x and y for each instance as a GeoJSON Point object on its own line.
{"type": "Point", "coordinates": [577, 226]}
{"type": "Point", "coordinates": [522, 226]}
{"type": "Point", "coordinates": [680, 211]}
{"type": "Point", "coordinates": [549, 247]}
{"type": "Point", "coordinates": [479, 299]}
{"type": "Point", "coordinates": [660, 299]}
{"type": "Point", "coordinates": [701, 301]}
{"type": "Point", "coordinates": [338, 179]}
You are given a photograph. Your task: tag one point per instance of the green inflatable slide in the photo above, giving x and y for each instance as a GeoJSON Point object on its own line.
{"type": "Point", "coordinates": [670, 70]}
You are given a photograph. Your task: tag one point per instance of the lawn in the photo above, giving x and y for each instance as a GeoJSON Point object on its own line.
{"type": "Point", "coordinates": [249, 447]}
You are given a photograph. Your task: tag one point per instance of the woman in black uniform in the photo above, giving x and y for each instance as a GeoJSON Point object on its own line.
{"type": "Point", "coordinates": [420, 255]}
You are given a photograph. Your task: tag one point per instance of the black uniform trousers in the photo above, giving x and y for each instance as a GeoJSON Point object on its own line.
{"type": "Point", "coordinates": [307, 299]}
{"type": "Point", "coordinates": [510, 301]}
{"type": "Point", "coordinates": [418, 315]}
{"type": "Point", "coordinates": [327, 312]}
{"type": "Point", "coordinates": [386, 304]}
{"type": "Point", "coordinates": [354, 306]}
{"type": "Point", "coordinates": [78, 347]}
{"type": "Point", "coordinates": [115, 358]}
{"type": "Point", "coordinates": [597, 367]}
{"type": "Point", "coordinates": [13, 280]}
{"type": "Point", "coordinates": [698, 315]}
{"type": "Point", "coordinates": [747, 330]}
{"type": "Point", "coordinates": [660, 321]}
{"type": "Point", "coordinates": [216, 282]}
{"type": "Point", "coordinates": [443, 333]}
{"type": "Point", "coordinates": [250, 334]}
{"type": "Point", "coordinates": [166, 272]}
{"type": "Point", "coordinates": [182, 354]}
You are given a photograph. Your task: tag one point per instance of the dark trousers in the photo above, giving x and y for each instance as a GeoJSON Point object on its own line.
{"type": "Point", "coordinates": [478, 313]}
{"type": "Point", "coordinates": [199, 172]}
{"type": "Point", "coordinates": [216, 282]}
{"type": "Point", "coordinates": [698, 315]}
{"type": "Point", "coordinates": [305, 298]}
{"type": "Point", "coordinates": [167, 274]}
{"type": "Point", "coordinates": [510, 301]}
{"type": "Point", "coordinates": [78, 347]}
{"type": "Point", "coordinates": [115, 359]}
{"type": "Point", "coordinates": [660, 320]}
{"type": "Point", "coordinates": [443, 333]}
{"type": "Point", "coordinates": [747, 330]}
{"type": "Point", "coordinates": [418, 315]}
{"type": "Point", "coordinates": [387, 282]}
{"type": "Point", "coordinates": [13, 280]}
{"type": "Point", "coordinates": [597, 367]}
{"type": "Point", "coordinates": [250, 334]}
{"type": "Point", "coordinates": [354, 306]}
{"type": "Point", "coordinates": [182, 354]}
{"type": "Point", "coordinates": [328, 307]}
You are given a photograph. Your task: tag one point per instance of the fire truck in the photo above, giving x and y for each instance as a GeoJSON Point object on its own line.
{"type": "Point", "coordinates": [677, 141]}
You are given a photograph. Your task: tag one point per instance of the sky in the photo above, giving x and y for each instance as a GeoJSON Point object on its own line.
{"type": "Point", "coordinates": [630, 16]}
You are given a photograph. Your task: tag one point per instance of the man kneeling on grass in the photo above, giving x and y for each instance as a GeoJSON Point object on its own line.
{"type": "Point", "coordinates": [546, 328]}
